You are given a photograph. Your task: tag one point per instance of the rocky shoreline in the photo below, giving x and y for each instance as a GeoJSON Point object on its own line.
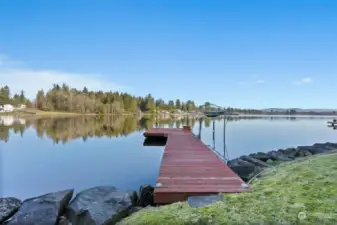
{"type": "Point", "coordinates": [248, 166]}
{"type": "Point", "coordinates": [108, 205]}
{"type": "Point", "coordinates": [98, 205]}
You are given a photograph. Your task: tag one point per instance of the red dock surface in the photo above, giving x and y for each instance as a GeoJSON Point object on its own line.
{"type": "Point", "coordinates": [190, 168]}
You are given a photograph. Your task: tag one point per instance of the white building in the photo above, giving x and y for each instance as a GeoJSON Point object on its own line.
{"type": "Point", "coordinates": [8, 108]}
{"type": "Point", "coordinates": [7, 120]}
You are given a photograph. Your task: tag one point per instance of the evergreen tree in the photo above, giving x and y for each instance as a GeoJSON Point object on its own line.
{"type": "Point", "coordinates": [183, 107]}
{"type": "Point", "coordinates": [171, 104]}
{"type": "Point", "coordinates": [22, 97]}
{"type": "Point", "coordinates": [40, 100]}
{"type": "Point", "coordinates": [178, 104]}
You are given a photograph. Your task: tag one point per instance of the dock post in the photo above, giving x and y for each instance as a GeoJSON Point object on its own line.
{"type": "Point", "coordinates": [213, 134]}
{"type": "Point", "coordinates": [200, 127]}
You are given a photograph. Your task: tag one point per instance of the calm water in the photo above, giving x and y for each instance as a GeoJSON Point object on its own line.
{"type": "Point", "coordinates": [43, 155]}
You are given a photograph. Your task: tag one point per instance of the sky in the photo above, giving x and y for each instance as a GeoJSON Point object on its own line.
{"type": "Point", "coordinates": [249, 54]}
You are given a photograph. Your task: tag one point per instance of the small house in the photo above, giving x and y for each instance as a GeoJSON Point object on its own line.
{"type": "Point", "coordinates": [8, 108]}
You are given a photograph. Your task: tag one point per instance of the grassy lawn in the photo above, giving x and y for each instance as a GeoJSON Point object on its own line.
{"type": "Point", "coordinates": [298, 192]}
{"type": "Point", "coordinates": [36, 112]}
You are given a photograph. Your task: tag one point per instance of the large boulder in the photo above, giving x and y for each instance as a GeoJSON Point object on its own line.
{"type": "Point", "coordinates": [245, 170]}
{"type": "Point", "coordinates": [42, 210]}
{"type": "Point", "coordinates": [289, 152]}
{"type": "Point", "coordinates": [318, 150]}
{"type": "Point", "coordinates": [239, 162]}
{"type": "Point", "coordinates": [302, 151]}
{"type": "Point", "coordinates": [260, 156]}
{"type": "Point", "coordinates": [328, 145]}
{"type": "Point", "coordinates": [8, 206]}
{"type": "Point", "coordinates": [278, 156]}
{"type": "Point", "coordinates": [100, 205]}
{"type": "Point", "coordinates": [145, 195]}
{"type": "Point", "coordinates": [256, 162]}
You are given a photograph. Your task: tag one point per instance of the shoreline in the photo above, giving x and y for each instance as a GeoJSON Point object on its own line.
{"type": "Point", "coordinates": [37, 113]}
{"type": "Point", "coordinates": [288, 116]}
{"type": "Point", "coordinates": [248, 167]}
{"type": "Point", "coordinates": [298, 192]}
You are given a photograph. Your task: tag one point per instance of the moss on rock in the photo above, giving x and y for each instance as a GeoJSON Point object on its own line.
{"type": "Point", "coordinates": [298, 192]}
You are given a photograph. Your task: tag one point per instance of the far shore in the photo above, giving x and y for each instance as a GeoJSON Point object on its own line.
{"type": "Point", "coordinates": [278, 115]}
{"type": "Point", "coordinates": [40, 113]}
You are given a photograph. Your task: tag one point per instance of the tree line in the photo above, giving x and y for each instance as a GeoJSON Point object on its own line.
{"type": "Point", "coordinates": [6, 97]}
{"type": "Point", "coordinates": [66, 99]}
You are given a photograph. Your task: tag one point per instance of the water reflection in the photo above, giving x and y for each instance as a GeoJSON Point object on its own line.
{"type": "Point", "coordinates": [31, 165]}
{"type": "Point", "coordinates": [66, 129]}
{"type": "Point", "coordinates": [70, 128]}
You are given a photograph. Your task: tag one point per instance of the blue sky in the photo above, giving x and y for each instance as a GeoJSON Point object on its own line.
{"type": "Point", "coordinates": [253, 54]}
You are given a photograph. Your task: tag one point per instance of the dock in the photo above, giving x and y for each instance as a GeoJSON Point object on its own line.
{"type": "Point", "coordinates": [190, 168]}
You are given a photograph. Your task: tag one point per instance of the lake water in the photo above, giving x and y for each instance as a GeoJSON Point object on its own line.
{"type": "Point", "coordinates": [41, 155]}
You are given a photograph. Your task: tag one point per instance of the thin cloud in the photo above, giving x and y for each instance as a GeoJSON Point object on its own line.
{"type": "Point", "coordinates": [305, 80]}
{"type": "Point", "coordinates": [242, 83]}
{"type": "Point", "coordinates": [253, 81]}
{"type": "Point", "coordinates": [32, 80]}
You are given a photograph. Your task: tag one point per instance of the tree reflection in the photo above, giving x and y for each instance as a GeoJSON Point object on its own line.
{"type": "Point", "coordinates": [62, 130]}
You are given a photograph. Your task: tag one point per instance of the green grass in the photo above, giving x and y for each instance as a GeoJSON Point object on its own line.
{"type": "Point", "coordinates": [36, 112]}
{"type": "Point", "coordinates": [298, 192]}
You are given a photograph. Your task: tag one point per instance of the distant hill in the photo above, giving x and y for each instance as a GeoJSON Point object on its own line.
{"type": "Point", "coordinates": [299, 110]}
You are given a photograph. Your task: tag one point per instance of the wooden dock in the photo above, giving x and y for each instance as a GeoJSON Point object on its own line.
{"type": "Point", "coordinates": [190, 168]}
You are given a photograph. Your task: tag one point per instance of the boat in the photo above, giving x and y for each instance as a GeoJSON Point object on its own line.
{"type": "Point", "coordinates": [333, 122]}
{"type": "Point", "coordinates": [214, 114]}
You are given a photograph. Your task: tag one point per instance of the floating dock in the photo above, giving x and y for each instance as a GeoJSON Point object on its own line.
{"type": "Point", "coordinates": [190, 168]}
{"type": "Point", "coordinates": [332, 123]}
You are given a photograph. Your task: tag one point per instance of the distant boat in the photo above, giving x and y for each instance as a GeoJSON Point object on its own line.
{"type": "Point", "coordinates": [214, 114]}
{"type": "Point", "coordinates": [333, 122]}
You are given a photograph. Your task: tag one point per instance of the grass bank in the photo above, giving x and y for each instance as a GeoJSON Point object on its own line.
{"type": "Point", "coordinates": [300, 192]}
{"type": "Point", "coordinates": [36, 112]}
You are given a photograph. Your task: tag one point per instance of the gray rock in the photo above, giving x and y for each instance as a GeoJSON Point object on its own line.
{"type": "Point", "coordinates": [201, 201]}
{"type": "Point", "coordinates": [99, 205]}
{"type": "Point", "coordinates": [317, 150]}
{"type": "Point", "coordinates": [256, 162]}
{"type": "Point", "coordinates": [245, 170]}
{"type": "Point", "coordinates": [8, 206]}
{"type": "Point", "coordinates": [239, 162]}
{"type": "Point", "coordinates": [304, 149]}
{"type": "Point", "coordinates": [327, 145]}
{"type": "Point", "coordinates": [303, 152]}
{"type": "Point", "coordinates": [269, 161]}
{"type": "Point", "coordinates": [145, 195]}
{"type": "Point", "coordinates": [42, 210]}
{"type": "Point", "coordinates": [289, 152]}
{"type": "Point", "coordinates": [260, 156]}
{"type": "Point", "coordinates": [278, 156]}
{"type": "Point", "coordinates": [133, 197]}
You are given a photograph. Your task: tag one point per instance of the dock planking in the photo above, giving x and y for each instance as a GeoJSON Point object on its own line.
{"type": "Point", "coordinates": [190, 168]}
